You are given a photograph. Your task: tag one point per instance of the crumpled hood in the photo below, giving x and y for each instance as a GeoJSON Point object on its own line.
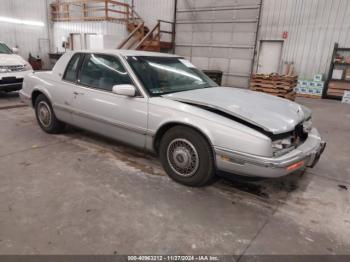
{"type": "Point", "coordinates": [273, 114]}
{"type": "Point", "coordinates": [11, 60]}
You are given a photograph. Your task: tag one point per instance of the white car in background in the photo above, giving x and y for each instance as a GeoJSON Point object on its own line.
{"type": "Point", "coordinates": [13, 68]}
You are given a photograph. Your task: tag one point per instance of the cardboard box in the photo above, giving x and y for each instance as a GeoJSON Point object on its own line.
{"type": "Point", "coordinates": [346, 100]}
{"type": "Point", "coordinates": [337, 74]}
{"type": "Point", "coordinates": [312, 84]}
{"type": "Point", "coordinates": [304, 83]}
{"type": "Point", "coordinates": [319, 84]}
{"type": "Point", "coordinates": [318, 91]}
{"type": "Point", "coordinates": [310, 87]}
{"type": "Point", "coordinates": [318, 77]}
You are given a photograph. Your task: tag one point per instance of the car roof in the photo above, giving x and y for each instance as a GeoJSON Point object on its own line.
{"type": "Point", "coordinates": [127, 52]}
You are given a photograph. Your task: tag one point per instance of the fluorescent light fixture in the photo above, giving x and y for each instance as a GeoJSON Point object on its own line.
{"type": "Point", "coordinates": [20, 21]}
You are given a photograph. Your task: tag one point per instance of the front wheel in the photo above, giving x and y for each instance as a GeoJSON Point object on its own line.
{"type": "Point", "coordinates": [46, 117]}
{"type": "Point", "coordinates": [187, 157]}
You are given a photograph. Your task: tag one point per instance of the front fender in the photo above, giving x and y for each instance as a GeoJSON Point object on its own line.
{"type": "Point", "coordinates": [220, 131]}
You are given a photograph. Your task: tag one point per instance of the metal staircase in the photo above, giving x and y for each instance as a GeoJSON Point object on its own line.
{"type": "Point", "coordinates": [160, 38]}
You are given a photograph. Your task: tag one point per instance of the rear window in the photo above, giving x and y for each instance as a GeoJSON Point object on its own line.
{"type": "Point", "coordinates": [72, 68]}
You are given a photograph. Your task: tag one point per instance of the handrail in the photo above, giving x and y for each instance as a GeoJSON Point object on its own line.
{"type": "Point", "coordinates": [157, 37]}
{"type": "Point", "coordinates": [137, 17]}
{"type": "Point", "coordinates": [168, 22]}
{"type": "Point", "coordinates": [131, 35]}
{"type": "Point", "coordinates": [147, 36]}
{"type": "Point", "coordinates": [90, 10]}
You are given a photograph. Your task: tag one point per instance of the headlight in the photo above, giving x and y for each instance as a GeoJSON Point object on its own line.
{"type": "Point", "coordinates": [307, 126]}
{"type": "Point", "coordinates": [28, 67]}
{"type": "Point", "coordinates": [4, 70]}
{"type": "Point", "coordinates": [282, 144]}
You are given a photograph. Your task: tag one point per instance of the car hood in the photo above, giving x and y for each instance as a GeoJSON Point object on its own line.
{"type": "Point", "coordinates": [273, 114]}
{"type": "Point", "coordinates": [11, 60]}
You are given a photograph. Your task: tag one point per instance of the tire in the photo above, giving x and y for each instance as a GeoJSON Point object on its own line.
{"type": "Point", "coordinates": [187, 157]}
{"type": "Point", "coordinates": [46, 117]}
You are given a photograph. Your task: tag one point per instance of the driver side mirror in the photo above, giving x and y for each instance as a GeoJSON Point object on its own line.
{"type": "Point", "coordinates": [124, 90]}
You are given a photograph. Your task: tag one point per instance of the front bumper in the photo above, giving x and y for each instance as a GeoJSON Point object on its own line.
{"type": "Point", "coordinates": [11, 84]}
{"type": "Point", "coordinates": [306, 155]}
{"type": "Point", "coordinates": [12, 81]}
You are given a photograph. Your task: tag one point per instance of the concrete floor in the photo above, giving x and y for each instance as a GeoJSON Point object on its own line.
{"type": "Point", "coordinates": [78, 193]}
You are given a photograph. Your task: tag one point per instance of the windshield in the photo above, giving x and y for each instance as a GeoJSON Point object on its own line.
{"type": "Point", "coordinates": [4, 49]}
{"type": "Point", "coordinates": [166, 75]}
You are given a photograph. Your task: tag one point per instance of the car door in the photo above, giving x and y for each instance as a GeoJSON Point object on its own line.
{"type": "Point", "coordinates": [96, 108]}
{"type": "Point", "coordinates": [62, 87]}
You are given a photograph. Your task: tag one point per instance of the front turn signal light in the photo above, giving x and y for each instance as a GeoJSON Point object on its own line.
{"type": "Point", "coordinates": [296, 166]}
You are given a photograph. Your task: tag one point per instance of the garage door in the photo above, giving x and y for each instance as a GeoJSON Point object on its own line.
{"type": "Point", "coordinates": [219, 35]}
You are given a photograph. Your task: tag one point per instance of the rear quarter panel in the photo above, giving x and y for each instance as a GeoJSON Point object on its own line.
{"type": "Point", "coordinates": [51, 85]}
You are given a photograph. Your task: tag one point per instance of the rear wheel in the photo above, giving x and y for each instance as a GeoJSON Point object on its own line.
{"type": "Point", "coordinates": [46, 117]}
{"type": "Point", "coordinates": [187, 157]}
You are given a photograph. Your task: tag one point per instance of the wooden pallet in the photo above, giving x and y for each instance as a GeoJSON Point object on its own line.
{"type": "Point", "coordinates": [282, 86]}
{"type": "Point", "coordinates": [271, 90]}
{"type": "Point", "coordinates": [274, 82]}
{"type": "Point", "coordinates": [274, 77]}
{"type": "Point", "coordinates": [309, 96]}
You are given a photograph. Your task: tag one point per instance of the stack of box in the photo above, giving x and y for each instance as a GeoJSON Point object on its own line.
{"type": "Point", "coordinates": [312, 89]}
{"type": "Point", "coordinates": [346, 97]}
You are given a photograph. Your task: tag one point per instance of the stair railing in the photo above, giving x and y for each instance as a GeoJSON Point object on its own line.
{"type": "Point", "coordinates": [134, 16]}
{"type": "Point", "coordinates": [172, 32]}
{"type": "Point", "coordinates": [148, 36]}
{"type": "Point", "coordinates": [93, 10]}
{"type": "Point", "coordinates": [131, 35]}
{"type": "Point", "coordinates": [151, 37]}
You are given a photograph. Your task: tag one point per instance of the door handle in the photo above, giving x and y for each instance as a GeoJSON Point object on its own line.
{"type": "Point", "coordinates": [77, 93]}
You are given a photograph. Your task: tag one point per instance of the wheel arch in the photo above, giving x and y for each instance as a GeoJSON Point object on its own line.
{"type": "Point", "coordinates": [36, 93]}
{"type": "Point", "coordinates": [167, 126]}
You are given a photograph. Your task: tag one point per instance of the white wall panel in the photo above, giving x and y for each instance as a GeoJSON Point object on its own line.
{"type": "Point", "coordinates": [153, 10]}
{"type": "Point", "coordinates": [313, 27]}
{"type": "Point", "coordinates": [29, 39]}
{"type": "Point", "coordinates": [62, 30]}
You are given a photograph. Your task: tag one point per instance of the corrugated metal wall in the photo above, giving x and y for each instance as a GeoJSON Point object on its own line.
{"type": "Point", "coordinates": [219, 35]}
{"type": "Point", "coordinates": [153, 10]}
{"type": "Point", "coordinates": [29, 39]}
{"type": "Point", "coordinates": [313, 27]}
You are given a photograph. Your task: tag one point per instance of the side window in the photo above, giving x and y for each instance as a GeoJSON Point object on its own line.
{"type": "Point", "coordinates": [71, 70]}
{"type": "Point", "coordinates": [103, 72]}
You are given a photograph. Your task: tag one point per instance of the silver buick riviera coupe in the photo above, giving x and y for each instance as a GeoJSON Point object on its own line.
{"type": "Point", "coordinates": [164, 104]}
